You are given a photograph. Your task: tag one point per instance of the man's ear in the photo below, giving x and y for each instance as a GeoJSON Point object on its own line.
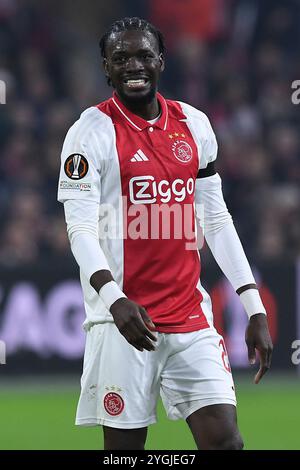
{"type": "Point", "coordinates": [105, 66]}
{"type": "Point", "coordinates": [162, 62]}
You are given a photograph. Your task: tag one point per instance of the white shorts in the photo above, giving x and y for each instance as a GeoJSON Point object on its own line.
{"type": "Point", "coordinates": [120, 385]}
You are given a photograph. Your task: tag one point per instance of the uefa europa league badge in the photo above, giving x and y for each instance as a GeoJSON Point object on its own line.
{"type": "Point", "coordinates": [76, 166]}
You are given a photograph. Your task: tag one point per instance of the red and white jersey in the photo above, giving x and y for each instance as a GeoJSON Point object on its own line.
{"type": "Point", "coordinates": [139, 169]}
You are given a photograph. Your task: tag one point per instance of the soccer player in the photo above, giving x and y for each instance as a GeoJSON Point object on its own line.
{"type": "Point", "coordinates": [133, 169]}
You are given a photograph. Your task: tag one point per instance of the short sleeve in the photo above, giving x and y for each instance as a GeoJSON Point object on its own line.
{"type": "Point", "coordinates": [80, 170]}
{"type": "Point", "coordinates": [203, 134]}
{"type": "Point", "coordinates": [209, 145]}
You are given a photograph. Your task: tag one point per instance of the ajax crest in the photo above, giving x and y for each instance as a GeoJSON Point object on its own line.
{"type": "Point", "coordinates": [113, 404]}
{"type": "Point", "coordinates": [182, 151]}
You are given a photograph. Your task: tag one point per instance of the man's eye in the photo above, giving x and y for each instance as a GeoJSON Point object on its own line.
{"type": "Point", "coordinates": [119, 60]}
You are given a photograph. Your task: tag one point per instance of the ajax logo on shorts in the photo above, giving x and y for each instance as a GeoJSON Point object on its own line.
{"type": "Point", "coordinates": [76, 166]}
{"type": "Point", "coordinates": [113, 404]}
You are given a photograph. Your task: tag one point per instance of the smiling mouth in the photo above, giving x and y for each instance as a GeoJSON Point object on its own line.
{"type": "Point", "coordinates": [136, 83]}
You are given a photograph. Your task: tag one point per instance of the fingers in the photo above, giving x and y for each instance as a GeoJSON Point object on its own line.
{"type": "Point", "coordinates": [260, 373]}
{"type": "Point", "coordinates": [265, 357]}
{"type": "Point", "coordinates": [270, 353]}
{"type": "Point", "coordinates": [134, 324]}
{"type": "Point", "coordinates": [148, 333]}
{"type": "Point", "coordinates": [144, 337]}
{"type": "Point", "coordinates": [139, 336]}
{"type": "Point", "coordinates": [258, 339]}
{"type": "Point", "coordinates": [140, 341]}
{"type": "Point", "coordinates": [148, 322]}
{"type": "Point", "coordinates": [251, 353]}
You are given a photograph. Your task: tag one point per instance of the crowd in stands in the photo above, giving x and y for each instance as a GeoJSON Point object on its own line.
{"type": "Point", "coordinates": [235, 60]}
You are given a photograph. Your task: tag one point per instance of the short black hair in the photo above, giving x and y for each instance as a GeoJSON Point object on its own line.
{"type": "Point", "coordinates": [135, 24]}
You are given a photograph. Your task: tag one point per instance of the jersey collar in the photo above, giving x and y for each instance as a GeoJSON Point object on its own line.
{"type": "Point", "coordinates": [138, 123]}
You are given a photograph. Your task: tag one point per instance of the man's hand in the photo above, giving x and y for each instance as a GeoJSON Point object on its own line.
{"type": "Point", "coordinates": [133, 323]}
{"type": "Point", "coordinates": [258, 338]}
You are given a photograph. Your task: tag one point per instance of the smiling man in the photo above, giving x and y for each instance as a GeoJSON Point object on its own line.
{"type": "Point", "coordinates": [149, 162]}
{"type": "Point", "coordinates": [135, 84]}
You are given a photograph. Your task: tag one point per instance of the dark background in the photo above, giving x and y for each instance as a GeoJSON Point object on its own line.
{"type": "Point", "coordinates": [236, 61]}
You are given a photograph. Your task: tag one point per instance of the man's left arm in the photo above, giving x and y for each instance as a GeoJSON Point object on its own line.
{"type": "Point", "coordinates": [225, 245]}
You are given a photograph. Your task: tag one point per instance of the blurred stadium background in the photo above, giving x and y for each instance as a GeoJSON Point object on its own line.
{"type": "Point", "coordinates": [235, 60]}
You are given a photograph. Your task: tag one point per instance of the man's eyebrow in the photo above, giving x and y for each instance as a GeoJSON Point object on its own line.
{"type": "Point", "coordinates": [139, 51]}
{"type": "Point", "coordinates": [119, 51]}
{"type": "Point", "coordinates": [144, 51]}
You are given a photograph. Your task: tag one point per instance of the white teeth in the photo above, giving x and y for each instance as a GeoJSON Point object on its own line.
{"type": "Point", "coordinates": [136, 83]}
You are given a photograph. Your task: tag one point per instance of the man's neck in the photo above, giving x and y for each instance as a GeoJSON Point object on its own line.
{"type": "Point", "coordinates": [145, 111]}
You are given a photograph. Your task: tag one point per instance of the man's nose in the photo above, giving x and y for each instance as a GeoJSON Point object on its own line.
{"type": "Point", "coordinates": [134, 63]}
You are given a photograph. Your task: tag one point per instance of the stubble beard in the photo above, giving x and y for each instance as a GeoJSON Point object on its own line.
{"type": "Point", "coordinates": [138, 99]}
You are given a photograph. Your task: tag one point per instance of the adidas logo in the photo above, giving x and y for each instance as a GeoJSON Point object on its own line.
{"type": "Point", "coordinates": [139, 156]}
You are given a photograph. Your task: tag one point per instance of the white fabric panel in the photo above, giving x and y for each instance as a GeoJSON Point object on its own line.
{"type": "Point", "coordinates": [252, 302]}
{"type": "Point", "coordinates": [206, 304]}
{"type": "Point", "coordinates": [88, 254]}
{"type": "Point", "coordinates": [81, 217]}
{"type": "Point", "coordinates": [82, 226]}
{"type": "Point", "coordinates": [110, 293]}
{"type": "Point", "coordinates": [82, 139]}
{"type": "Point", "coordinates": [93, 136]}
{"type": "Point", "coordinates": [220, 232]}
{"type": "Point", "coordinates": [203, 134]}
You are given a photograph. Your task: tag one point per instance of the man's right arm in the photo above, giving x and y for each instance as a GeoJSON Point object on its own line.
{"type": "Point", "coordinates": [82, 153]}
{"type": "Point", "coordinates": [130, 318]}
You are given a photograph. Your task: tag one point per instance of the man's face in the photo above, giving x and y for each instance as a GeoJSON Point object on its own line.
{"type": "Point", "coordinates": [133, 64]}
